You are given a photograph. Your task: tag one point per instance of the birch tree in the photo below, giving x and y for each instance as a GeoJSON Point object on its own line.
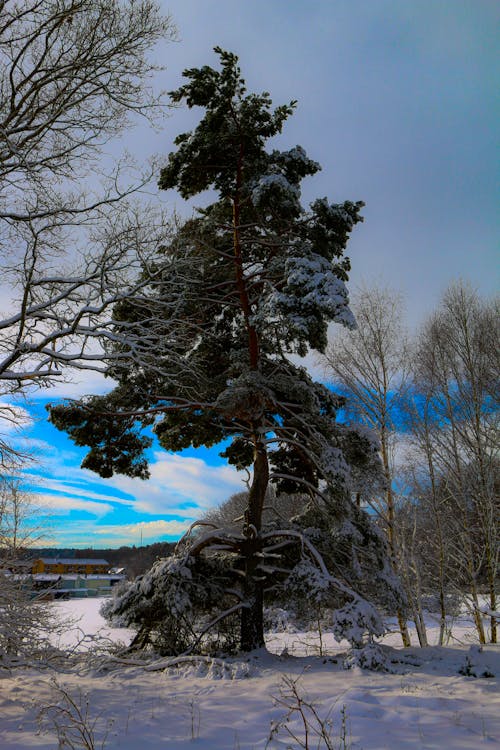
{"type": "Point", "coordinates": [431, 543]}
{"type": "Point", "coordinates": [457, 369]}
{"type": "Point", "coordinates": [370, 366]}
{"type": "Point", "coordinates": [22, 523]}
{"type": "Point", "coordinates": [26, 622]}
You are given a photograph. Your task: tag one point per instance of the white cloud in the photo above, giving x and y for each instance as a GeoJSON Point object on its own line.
{"type": "Point", "coordinates": [37, 447]}
{"type": "Point", "coordinates": [147, 529]}
{"type": "Point", "coordinates": [180, 486]}
{"type": "Point", "coordinates": [13, 417]}
{"type": "Point", "coordinates": [195, 478]}
{"type": "Point", "coordinates": [62, 504]}
{"type": "Point", "coordinates": [81, 384]}
{"type": "Point", "coordinates": [85, 534]}
{"type": "Point", "coordinates": [75, 488]}
{"type": "Point", "coordinates": [177, 480]}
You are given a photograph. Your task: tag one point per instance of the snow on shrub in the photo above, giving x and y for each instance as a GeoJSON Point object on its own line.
{"type": "Point", "coordinates": [371, 656]}
{"type": "Point", "coordinates": [354, 620]}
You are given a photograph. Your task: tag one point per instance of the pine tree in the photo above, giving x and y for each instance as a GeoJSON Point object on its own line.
{"type": "Point", "coordinates": [204, 355]}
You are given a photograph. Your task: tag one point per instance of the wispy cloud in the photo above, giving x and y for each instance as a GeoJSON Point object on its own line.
{"type": "Point", "coordinates": [148, 530]}
{"type": "Point", "coordinates": [13, 417]}
{"type": "Point", "coordinates": [73, 488]}
{"type": "Point", "coordinates": [76, 384]}
{"type": "Point", "coordinates": [179, 491]}
{"type": "Point", "coordinates": [62, 505]}
{"type": "Point", "coordinates": [178, 485]}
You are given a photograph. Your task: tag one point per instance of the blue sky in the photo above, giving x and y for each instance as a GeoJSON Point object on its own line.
{"type": "Point", "coordinates": [397, 100]}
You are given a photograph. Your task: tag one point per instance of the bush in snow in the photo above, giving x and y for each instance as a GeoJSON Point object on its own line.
{"type": "Point", "coordinates": [173, 603]}
{"type": "Point", "coordinates": [27, 625]}
{"type": "Point", "coordinates": [371, 656]}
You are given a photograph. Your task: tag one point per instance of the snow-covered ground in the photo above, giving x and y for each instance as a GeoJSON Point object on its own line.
{"type": "Point", "coordinates": [425, 702]}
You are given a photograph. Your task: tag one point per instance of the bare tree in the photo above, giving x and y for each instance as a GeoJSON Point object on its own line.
{"type": "Point", "coordinates": [27, 622]}
{"type": "Point", "coordinates": [74, 76]}
{"type": "Point", "coordinates": [22, 522]}
{"type": "Point", "coordinates": [429, 547]}
{"type": "Point", "coordinates": [370, 365]}
{"type": "Point", "coordinates": [231, 512]}
{"type": "Point", "coordinates": [457, 369]}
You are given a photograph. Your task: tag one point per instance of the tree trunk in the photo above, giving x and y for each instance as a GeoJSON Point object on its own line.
{"type": "Point", "coordinates": [478, 619]}
{"type": "Point", "coordinates": [252, 616]}
{"type": "Point", "coordinates": [493, 607]}
{"type": "Point", "coordinates": [391, 520]}
{"type": "Point", "coordinates": [420, 627]}
{"type": "Point", "coordinates": [441, 576]}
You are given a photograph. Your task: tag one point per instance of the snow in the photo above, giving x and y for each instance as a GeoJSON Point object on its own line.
{"type": "Point", "coordinates": [428, 700]}
{"type": "Point", "coordinates": [311, 285]}
{"type": "Point", "coordinates": [85, 621]}
{"type": "Point", "coordinates": [275, 184]}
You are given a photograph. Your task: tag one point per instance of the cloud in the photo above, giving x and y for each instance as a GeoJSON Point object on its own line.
{"type": "Point", "coordinates": [74, 488]}
{"type": "Point", "coordinates": [63, 504]}
{"type": "Point", "coordinates": [85, 534]}
{"type": "Point", "coordinates": [147, 529]}
{"type": "Point", "coordinates": [193, 477]}
{"type": "Point", "coordinates": [13, 417]}
{"type": "Point", "coordinates": [37, 447]}
{"type": "Point", "coordinates": [81, 384]}
{"type": "Point", "coordinates": [179, 485]}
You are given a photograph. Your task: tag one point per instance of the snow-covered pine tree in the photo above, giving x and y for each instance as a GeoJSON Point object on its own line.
{"type": "Point", "coordinates": [204, 356]}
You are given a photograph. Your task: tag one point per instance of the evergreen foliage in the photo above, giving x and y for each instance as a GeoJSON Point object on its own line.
{"type": "Point", "coordinates": [203, 355]}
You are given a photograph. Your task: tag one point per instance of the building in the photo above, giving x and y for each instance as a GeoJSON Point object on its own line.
{"type": "Point", "coordinates": [64, 578]}
{"type": "Point", "coordinates": [73, 565]}
{"type": "Point", "coordinates": [71, 585]}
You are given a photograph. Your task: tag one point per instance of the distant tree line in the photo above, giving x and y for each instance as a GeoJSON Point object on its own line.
{"type": "Point", "coordinates": [135, 560]}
